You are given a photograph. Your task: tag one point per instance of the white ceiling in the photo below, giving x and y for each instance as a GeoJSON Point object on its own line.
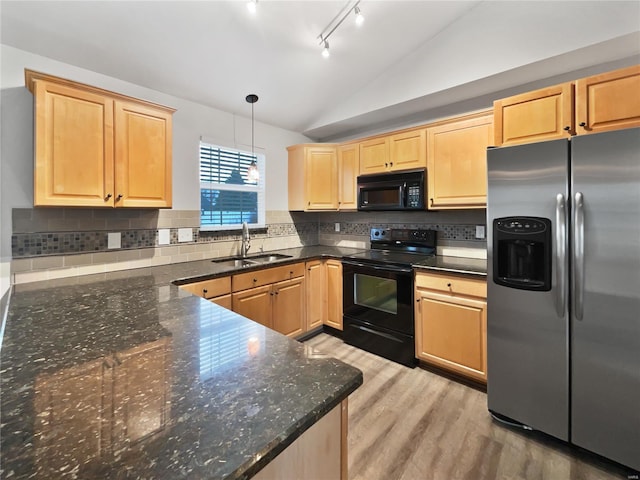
{"type": "Point", "coordinates": [216, 52]}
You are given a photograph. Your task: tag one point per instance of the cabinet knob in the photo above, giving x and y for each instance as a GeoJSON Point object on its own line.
{"type": "Point", "coordinates": [431, 199]}
{"type": "Point", "coordinates": [255, 280]}
{"type": "Point", "coordinates": [583, 124]}
{"type": "Point", "coordinates": [391, 164]}
{"type": "Point", "coordinates": [449, 285]}
{"type": "Point", "coordinates": [108, 196]}
{"type": "Point", "coordinates": [386, 164]}
{"type": "Point", "coordinates": [418, 300]}
{"type": "Point", "coordinates": [276, 293]}
{"type": "Point", "coordinates": [308, 203]}
{"type": "Point", "coordinates": [204, 290]}
{"type": "Point", "coordinates": [567, 128]}
{"type": "Point", "coordinates": [118, 197]}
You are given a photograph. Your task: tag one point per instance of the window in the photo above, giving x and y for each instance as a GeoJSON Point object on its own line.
{"type": "Point", "coordinates": [227, 197]}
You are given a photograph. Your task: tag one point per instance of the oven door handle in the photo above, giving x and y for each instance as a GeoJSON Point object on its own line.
{"type": "Point", "coordinates": [382, 268]}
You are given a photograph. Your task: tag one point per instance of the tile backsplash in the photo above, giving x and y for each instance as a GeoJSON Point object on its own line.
{"type": "Point", "coordinates": [62, 242]}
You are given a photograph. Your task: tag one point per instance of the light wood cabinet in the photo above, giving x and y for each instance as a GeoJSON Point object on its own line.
{"type": "Point", "coordinates": [334, 294]}
{"type": "Point", "coordinates": [288, 307]}
{"type": "Point", "coordinates": [96, 148]}
{"type": "Point", "coordinates": [313, 177]}
{"type": "Point", "coordinates": [273, 297]}
{"type": "Point", "coordinates": [451, 323]}
{"type": "Point", "coordinates": [348, 169]}
{"type": "Point", "coordinates": [316, 293]}
{"type": "Point", "coordinates": [544, 114]}
{"type": "Point", "coordinates": [456, 162]}
{"type": "Point", "coordinates": [400, 151]}
{"type": "Point", "coordinates": [101, 406]}
{"type": "Point", "coordinates": [224, 301]}
{"type": "Point", "coordinates": [408, 150]}
{"type": "Point", "coordinates": [610, 101]}
{"type": "Point", "coordinates": [374, 155]}
{"type": "Point", "coordinates": [209, 289]}
{"type": "Point", "coordinates": [255, 304]}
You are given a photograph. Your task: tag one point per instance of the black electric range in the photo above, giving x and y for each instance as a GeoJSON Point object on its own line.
{"type": "Point", "coordinates": [378, 307]}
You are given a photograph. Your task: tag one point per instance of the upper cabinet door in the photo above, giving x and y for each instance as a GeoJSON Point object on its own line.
{"type": "Point", "coordinates": [143, 156]}
{"type": "Point", "coordinates": [73, 147]}
{"type": "Point", "coordinates": [609, 101]}
{"type": "Point", "coordinates": [348, 168]}
{"type": "Point", "coordinates": [408, 150]}
{"type": "Point", "coordinates": [544, 114]}
{"type": "Point", "coordinates": [321, 175]}
{"type": "Point", "coordinates": [457, 165]}
{"type": "Point", "coordinates": [374, 155]}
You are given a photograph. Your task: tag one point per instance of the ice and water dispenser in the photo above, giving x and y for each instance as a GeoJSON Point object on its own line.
{"type": "Point", "coordinates": [522, 252]}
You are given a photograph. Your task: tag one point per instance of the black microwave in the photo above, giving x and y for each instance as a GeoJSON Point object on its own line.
{"type": "Point", "coordinates": [393, 191]}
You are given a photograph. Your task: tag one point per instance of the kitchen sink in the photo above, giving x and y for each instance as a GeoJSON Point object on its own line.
{"type": "Point", "coordinates": [267, 258]}
{"type": "Point", "coordinates": [234, 262]}
{"type": "Point", "coordinates": [248, 261]}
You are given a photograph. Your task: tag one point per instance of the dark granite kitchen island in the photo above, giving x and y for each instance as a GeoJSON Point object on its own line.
{"type": "Point", "coordinates": [124, 375]}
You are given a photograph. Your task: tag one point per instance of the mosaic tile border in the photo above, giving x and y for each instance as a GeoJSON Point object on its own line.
{"type": "Point", "coordinates": [25, 245]}
{"type": "Point", "coordinates": [445, 231]}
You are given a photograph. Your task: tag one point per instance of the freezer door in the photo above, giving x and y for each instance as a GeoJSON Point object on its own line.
{"type": "Point", "coordinates": [605, 406]}
{"type": "Point", "coordinates": [527, 331]}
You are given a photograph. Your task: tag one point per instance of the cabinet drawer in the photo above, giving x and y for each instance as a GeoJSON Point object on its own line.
{"type": "Point", "coordinates": [452, 284]}
{"type": "Point", "coordinates": [209, 288]}
{"type": "Point", "coordinates": [265, 277]}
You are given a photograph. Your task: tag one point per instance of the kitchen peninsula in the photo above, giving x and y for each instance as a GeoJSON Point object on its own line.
{"type": "Point", "coordinates": [125, 375]}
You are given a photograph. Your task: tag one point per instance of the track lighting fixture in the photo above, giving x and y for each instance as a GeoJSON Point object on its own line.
{"type": "Point", "coordinates": [351, 6]}
{"type": "Point", "coordinates": [252, 5]}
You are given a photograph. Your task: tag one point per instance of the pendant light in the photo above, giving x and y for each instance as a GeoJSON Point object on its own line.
{"type": "Point", "coordinates": [253, 175]}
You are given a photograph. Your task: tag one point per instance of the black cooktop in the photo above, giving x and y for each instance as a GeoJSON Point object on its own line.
{"type": "Point", "coordinates": [398, 246]}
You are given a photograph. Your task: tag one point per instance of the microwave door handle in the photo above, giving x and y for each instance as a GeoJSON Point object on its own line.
{"type": "Point", "coordinates": [403, 194]}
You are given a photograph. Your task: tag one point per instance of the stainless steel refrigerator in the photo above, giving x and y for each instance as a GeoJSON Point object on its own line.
{"type": "Point", "coordinates": [563, 334]}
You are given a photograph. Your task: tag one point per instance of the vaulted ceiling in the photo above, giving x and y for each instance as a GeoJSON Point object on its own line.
{"type": "Point", "coordinates": [407, 57]}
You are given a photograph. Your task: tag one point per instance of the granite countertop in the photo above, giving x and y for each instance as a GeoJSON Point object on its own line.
{"type": "Point", "coordinates": [457, 265]}
{"type": "Point", "coordinates": [125, 375]}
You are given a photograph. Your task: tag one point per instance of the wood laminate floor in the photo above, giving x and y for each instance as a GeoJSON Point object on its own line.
{"type": "Point", "coordinates": [411, 424]}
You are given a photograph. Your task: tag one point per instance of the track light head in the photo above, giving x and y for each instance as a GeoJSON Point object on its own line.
{"type": "Point", "coordinates": [252, 6]}
{"type": "Point", "coordinates": [359, 16]}
{"type": "Point", "coordinates": [325, 50]}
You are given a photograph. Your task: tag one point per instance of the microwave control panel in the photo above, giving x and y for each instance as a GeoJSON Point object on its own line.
{"type": "Point", "coordinates": [414, 199]}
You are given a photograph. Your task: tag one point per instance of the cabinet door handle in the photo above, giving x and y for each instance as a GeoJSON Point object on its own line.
{"type": "Point", "coordinates": [567, 128]}
{"type": "Point", "coordinates": [204, 290]}
{"type": "Point", "coordinates": [431, 201]}
{"type": "Point", "coordinates": [118, 197]}
{"type": "Point", "coordinates": [276, 293]}
{"type": "Point", "coordinates": [583, 124]}
{"type": "Point", "coordinates": [108, 196]}
{"type": "Point", "coordinates": [255, 280]}
{"type": "Point", "coordinates": [386, 164]}
{"type": "Point", "coordinates": [449, 285]}
{"type": "Point", "coordinates": [391, 164]}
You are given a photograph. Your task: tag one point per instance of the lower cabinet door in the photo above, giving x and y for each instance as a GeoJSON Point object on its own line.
{"type": "Point", "coordinates": [451, 333]}
{"type": "Point", "coordinates": [254, 304]}
{"type": "Point", "coordinates": [334, 294]}
{"type": "Point", "coordinates": [289, 307]}
{"type": "Point", "coordinates": [223, 301]}
{"type": "Point", "coordinates": [316, 299]}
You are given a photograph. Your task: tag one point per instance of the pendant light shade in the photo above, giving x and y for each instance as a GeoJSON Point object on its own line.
{"type": "Point", "coordinates": [253, 175]}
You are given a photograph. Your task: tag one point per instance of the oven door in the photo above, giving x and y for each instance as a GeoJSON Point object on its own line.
{"type": "Point", "coordinates": [378, 295]}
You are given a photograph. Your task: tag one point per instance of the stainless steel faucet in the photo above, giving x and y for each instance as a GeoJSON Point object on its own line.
{"type": "Point", "coordinates": [245, 245]}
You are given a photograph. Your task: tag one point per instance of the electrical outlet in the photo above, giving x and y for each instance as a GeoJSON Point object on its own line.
{"type": "Point", "coordinates": [114, 240]}
{"type": "Point", "coordinates": [480, 232]}
{"type": "Point", "coordinates": [164, 236]}
{"type": "Point", "coordinates": [337, 226]}
{"type": "Point", "coordinates": [185, 235]}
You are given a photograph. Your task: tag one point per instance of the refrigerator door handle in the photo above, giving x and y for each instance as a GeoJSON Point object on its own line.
{"type": "Point", "coordinates": [561, 242]}
{"type": "Point", "coordinates": [578, 256]}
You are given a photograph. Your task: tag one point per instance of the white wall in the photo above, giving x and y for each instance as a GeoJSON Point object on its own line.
{"type": "Point", "coordinates": [190, 122]}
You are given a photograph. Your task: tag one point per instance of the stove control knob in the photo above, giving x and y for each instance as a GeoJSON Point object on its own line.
{"type": "Point", "coordinates": [376, 233]}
